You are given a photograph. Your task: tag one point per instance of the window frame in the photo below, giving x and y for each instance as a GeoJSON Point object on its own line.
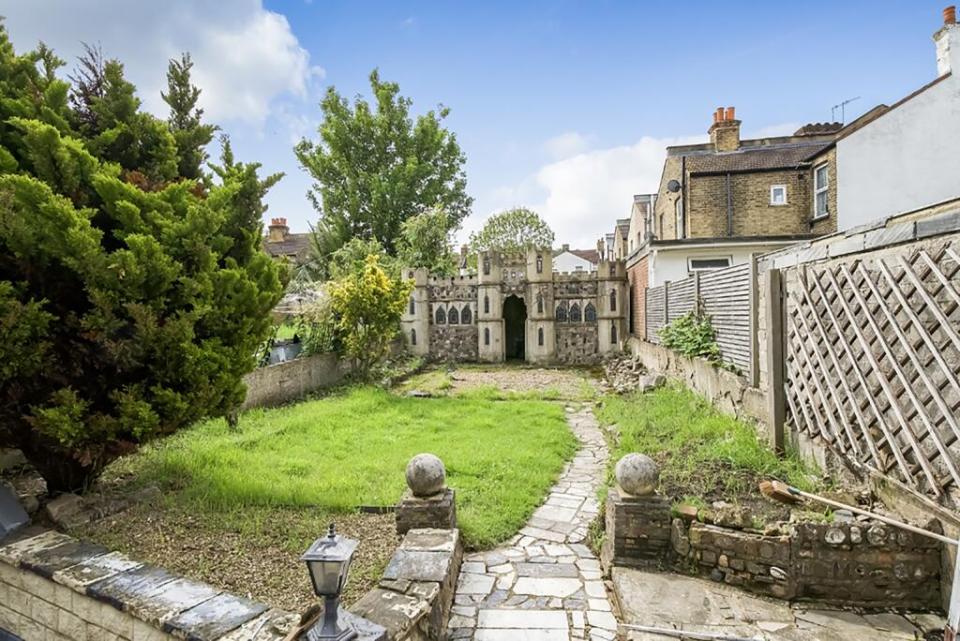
{"type": "Point", "coordinates": [691, 269]}
{"type": "Point", "coordinates": [822, 189]}
{"type": "Point", "coordinates": [774, 188]}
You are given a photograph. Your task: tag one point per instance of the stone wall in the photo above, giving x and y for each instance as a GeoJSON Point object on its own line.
{"type": "Point", "coordinates": [454, 343]}
{"type": "Point", "coordinates": [855, 563]}
{"type": "Point", "coordinates": [56, 588]}
{"type": "Point", "coordinates": [283, 382]}
{"type": "Point", "coordinates": [577, 344]}
{"type": "Point", "coordinates": [413, 600]}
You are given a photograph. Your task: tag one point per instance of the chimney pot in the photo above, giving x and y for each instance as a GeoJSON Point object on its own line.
{"type": "Point", "coordinates": [950, 15]}
{"type": "Point", "coordinates": [730, 113]}
{"type": "Point", "coordinates": [719, 114]}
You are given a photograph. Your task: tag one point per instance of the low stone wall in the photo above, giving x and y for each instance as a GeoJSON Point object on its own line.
{"type": "Point", "coordinates": [454, 343]}
{"type": "Point", "coordinates": [727, 391]}
{"type": "Point", "coordinates": [577, 344]}
{"type": "Point", "coordinates": [56, 588]}
{"type": "Point", "coordinates": [857, 563]}
{"type": "Point", "coordinates": [284, 382]}
{"type": "Point", "coordinates": [414, 597]}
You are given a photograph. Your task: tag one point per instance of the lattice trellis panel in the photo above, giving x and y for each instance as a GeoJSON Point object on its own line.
{"type": "Point", "coordinates": [873, 360]}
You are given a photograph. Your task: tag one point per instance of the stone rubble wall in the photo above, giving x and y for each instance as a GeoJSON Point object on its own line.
{"type": "Point", "coordinates": [855, 563]}
{"type": "Point", "coordinates": [457, 343]}
{"type": "Point", "coordinates": [56, 588]}
{"type": "Point", "coordinates": [577, 344]}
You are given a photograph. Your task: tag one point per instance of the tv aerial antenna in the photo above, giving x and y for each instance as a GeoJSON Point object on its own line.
{"type": "Point", "coordinates": [843, 110]}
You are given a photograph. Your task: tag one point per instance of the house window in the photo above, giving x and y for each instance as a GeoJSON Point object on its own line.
{"type": "Point", "coordinates": [486, 304]}
{"type": "Point", "coordinates": [486, 335]}
{"type": "Point", "coordinates": [413, 309]}
{"type": "Point", "coordinates": [441, 316]}
{"type": "Point", "coordinates": [562, 312]}
{"type": "Point", "coordinates": [575, 313]}
{"type": "Point", "coordinates": [708, 264]}
{"type": "Point", "coordinates": [821, 185]}
{"type": "Point", "coordinates": [453, 316]}
{"type": "Point", "coordinates": [778, 194]}
{"type": "Point", "coordinates": [466, 317]}
{"type": "Point", "coordinates": [413, 337]}
{"type": "Point", "coordinates": [540, 337]}
{"type": "Point", "coordinates": [613, 300]}
{"type": "Point", "coordinates": [590, 313]}
{"type": "Point", "coordinates": [678, 218]}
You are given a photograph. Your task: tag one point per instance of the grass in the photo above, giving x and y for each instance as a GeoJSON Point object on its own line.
{"type": "Point", "coordinates": [351, 449]}
{"type": "Point", "coordinates": [286, 331]}
{"type": "Point", "coordinates": [701, 452]}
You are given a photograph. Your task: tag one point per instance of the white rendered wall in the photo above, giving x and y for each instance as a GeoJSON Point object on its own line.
{"type": "Point", "coordinates": [907, 159]}
{"type": "Point", "coordinates": [569, 262]}
{"type": "Point", "coordinates": [671, 264]}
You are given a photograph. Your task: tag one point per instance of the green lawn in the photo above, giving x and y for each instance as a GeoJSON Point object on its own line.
{"type": "Point", "coordinates": [351, 449]}
{"type": "Point", "coordinates": [701, 452]}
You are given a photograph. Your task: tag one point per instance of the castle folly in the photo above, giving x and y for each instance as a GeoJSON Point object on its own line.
{"type": "Point", "coordinates": [517, 307]}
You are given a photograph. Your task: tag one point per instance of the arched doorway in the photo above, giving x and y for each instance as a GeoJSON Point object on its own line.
{"type": "Point", "coordinates": [515, 323]}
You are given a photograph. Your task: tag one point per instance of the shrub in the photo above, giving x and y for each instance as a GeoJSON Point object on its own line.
{"type": "Point", "coordinates": [368, 306]}
{"type": "Point", "coordinates": [692, 335]}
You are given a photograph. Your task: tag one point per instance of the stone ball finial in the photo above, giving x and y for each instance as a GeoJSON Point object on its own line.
{"type": "Point", "coordinates": [425, 475]}
{"type": "Point", "coordinates": [637, 474]}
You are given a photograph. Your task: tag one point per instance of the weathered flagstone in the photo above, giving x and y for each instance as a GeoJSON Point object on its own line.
{"type": "Point", "coordinates": [544, 584]}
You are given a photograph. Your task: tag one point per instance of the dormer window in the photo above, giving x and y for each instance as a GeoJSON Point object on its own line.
{"type": "Point", "coordinates": [778, 195]}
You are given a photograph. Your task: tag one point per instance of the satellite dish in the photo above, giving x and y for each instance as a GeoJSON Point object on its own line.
{"type": "Point", "coordinates": [673, 186]}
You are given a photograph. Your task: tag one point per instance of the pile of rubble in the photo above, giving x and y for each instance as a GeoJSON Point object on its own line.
{"type": "Point", "coordinates": [627, 374]}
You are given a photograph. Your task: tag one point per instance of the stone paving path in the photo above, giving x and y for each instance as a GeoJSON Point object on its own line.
{"type": "Point", "coordinates": [545, 584]}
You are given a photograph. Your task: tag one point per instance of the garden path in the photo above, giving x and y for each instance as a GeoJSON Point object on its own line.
{"type": "Point", "coordinates": [545, 583]}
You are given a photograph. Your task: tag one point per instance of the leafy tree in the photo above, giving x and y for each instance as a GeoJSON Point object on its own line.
{"type": "Point", "coordinates": [368, 306]}
{"type": "Point", "coordinates": [352, 259]}
{"type": "Point", "coordinates": [374, 167]}
{"type": "Point", "coordinates": [189, 133]}
{"type": "Point", "coordinates": [425, 242]}
{"type": "Point", "coordinates": [512, 230]}
{"type": "Point", "coordinates": [125, 313]}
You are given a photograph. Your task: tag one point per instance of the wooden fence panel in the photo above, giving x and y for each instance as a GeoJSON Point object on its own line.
{"type": "Point", "coordinates": [655, 302]}
{"type": "Point", "coordinates": [871, 361]}
{"type": "Point", "coordinates": [725, 296]}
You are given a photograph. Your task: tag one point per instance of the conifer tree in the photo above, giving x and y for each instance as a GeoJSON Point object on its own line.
{"type": "Point", "coordinates": [191, 135]}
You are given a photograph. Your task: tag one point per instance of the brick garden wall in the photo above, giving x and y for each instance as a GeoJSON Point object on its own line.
{"type": "Point", "coordinates": [638, 275]}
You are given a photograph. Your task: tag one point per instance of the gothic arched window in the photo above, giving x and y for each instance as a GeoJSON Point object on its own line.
{"type": "Point", "coordinates": [486, 304]}
{"type": "Point", "coordinates": [453, 317]}
{"type": "Point", "coordinates": [575, 313]}
{"type": "Point", "coordinates": [486, 335]}
{"type": "Point", "coordinates": [486, 265]}
{"type": "Point", "coordinates": [540, 337]}
{"type": "Point", "coordinates": [413, 337]}
{"type": "Point", "coordinates": [613, 332]}
{"type": "Point", "coordinates": [539, 303]}
{"type": "Point", "coordinates": [613, 300]}
{"type": "Point", "coordinates": [441, 316]}
{"type": "Point", "coordinates": [562, 312]}
{"type": "Point", "coordinates": [465, 316]}
{"type": "Point", "coordinates": [590, 313]}
{"type": "Point", "coordinates": [539, 264]}
{"type": "Point", "coordinates": [413, 309]}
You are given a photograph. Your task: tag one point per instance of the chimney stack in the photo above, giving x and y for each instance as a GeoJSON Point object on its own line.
{"type": "Point", "coordinates": [947, 39]}
{"type": "Point", "coordinates": [278, 230]}
{"type": "Point", "coordinates": [725, 130]}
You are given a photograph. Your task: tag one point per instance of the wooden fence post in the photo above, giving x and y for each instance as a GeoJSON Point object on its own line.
{"type": "Point", "coordinates": [754, 324]}
{"type": "Point", "coordinates": [696, 294]}
{"type": "Point", "coordinates": [776, 393]}
{"type": "Point", "coordinates": [666, 302]}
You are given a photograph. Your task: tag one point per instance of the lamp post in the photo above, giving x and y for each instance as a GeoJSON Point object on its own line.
{"type": "Point", "coordinates": [328, 561]}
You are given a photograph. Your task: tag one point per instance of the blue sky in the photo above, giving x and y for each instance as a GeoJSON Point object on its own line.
{"type": "Point", "coordinates": [563, 106]}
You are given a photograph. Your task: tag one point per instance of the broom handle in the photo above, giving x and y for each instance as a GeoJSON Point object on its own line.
{"type": "Point", "coordinates": [879, 517]}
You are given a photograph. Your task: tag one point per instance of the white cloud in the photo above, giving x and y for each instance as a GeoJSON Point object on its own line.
{"type": "Point", "coordinates": [566, 144]}
{"type": "Point", "coordinates": [245, 57]}
{"type": "Point", "coordinates": [580, 197]}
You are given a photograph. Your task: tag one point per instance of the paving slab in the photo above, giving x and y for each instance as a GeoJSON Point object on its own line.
{"type": "Point", "coordinates": [544, 584]}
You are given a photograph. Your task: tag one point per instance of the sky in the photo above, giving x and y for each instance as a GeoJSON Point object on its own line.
{"type": "Point", "coordinates": [564, 107]}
